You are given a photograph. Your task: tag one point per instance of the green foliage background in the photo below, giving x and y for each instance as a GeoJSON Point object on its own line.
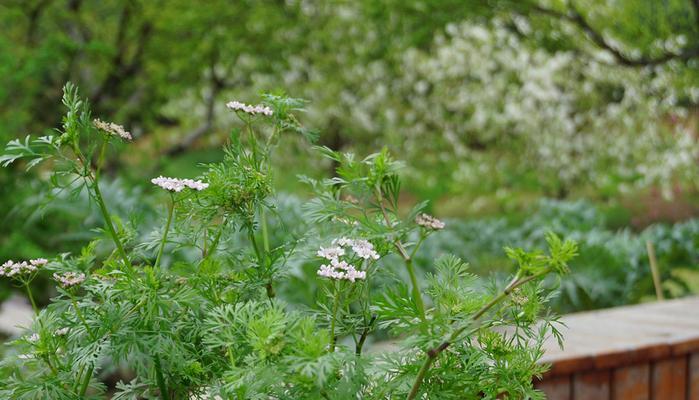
{"type": "Point", "coordinates": [165, 69]}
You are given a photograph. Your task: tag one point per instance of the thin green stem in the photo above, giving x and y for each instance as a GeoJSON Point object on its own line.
{"type": "Point", "coordinates": [416, 289]}
{"type": "Point", "coordinates": [110, 224]}
{"type": "Point", "coordinates": [31, 298]}
{"type": "Point", "coordinates": [336, 305]}
{"type": "Point", "coordinates": [99, 198]}
{"type": "Point", "coordinates": [159, 378]}
{"type": "Point", "coordinates": [230, 357]}
{"type": "Point", "coordinates": [417, 296]}
{"type": "Point", "coordinates": [79, 379]}
{"type": "Point", "coordinates": [86, 381]}
{"type": "Point", "coordinates": [214, 243]}
{"type": "Point", "coordinates": [417, 246]}
{"type": "Point", "coordinates": [80, 316]}
{"type": "Point", "coordinates": [365, 334]}
{"type": "Point", "coordinates": [100, 160]}
{"type": "Point", "coordinates": [263, 264]}
{"type": "Point", "coordinates": [170, 212]}
{"type": "Point", "coordinates": [267, 255]}
{"type": "Point", "coordinates": [433, 353]}
{"type": "Point", "coordinates": [265, 232]}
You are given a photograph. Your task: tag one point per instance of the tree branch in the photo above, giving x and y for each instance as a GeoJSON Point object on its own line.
{"type": "Point", "coordinates": [123, 69]}
{"type": "Point", "coordinates": [573, 16]}
{"type": "Point", "coordinates": [695, 5]}
{"type": "Point", "coordinates": [216, 84]}
{"type": "Point", "coordinates": [33, 15]}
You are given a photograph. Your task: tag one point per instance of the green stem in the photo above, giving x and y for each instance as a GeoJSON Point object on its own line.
{"type": "Point", "coordinates": [433, 353]}
{"type": "Point", "coordinates": [100, 200]}
{"type": "Point", "coordinates": [110, 225]}
{"type": "Point", "coordinates": [80, 316]}
{"type": "Point", "coordinates": [159, 378]}
{"type": "Point", "coordinates": [417, 296]}
{"type": "Point", "coordinates": [86, 382]}
{"type": "Point", "coordinates": [100, 160]}
{"type": "Point", "coordinates": [79, 379]}
{"type": "Point", "coordinates": [336, 305]}
{"type": "Point", "coordinates": [365, 334]}
{"type": "Point", "coordinates": [267, 255]}
{"type": "Point", "coordinates": [214, 243]}
{"type": "Point", "coordinates": [31, 299]}
{"type": "Point", "coordinates": [265, 233]}
{"type": "Point", "coordinates": [170, 211]}
{"type": "Point", "coordinates": [263, 264]}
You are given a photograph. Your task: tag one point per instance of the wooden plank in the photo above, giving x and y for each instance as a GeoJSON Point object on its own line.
{"type": "Point", "coordinates": [622, 336]}
{"type": "Point", "coordinates": [557, 388]}
{"type": "Point", "coordinates": [631, 383]}
{"type": "Point", "coordinates": [669, 378]}
{"type": "Point", "coordinates": [592, 385]}
{"type": "Point", "coordinates": [693, 378]}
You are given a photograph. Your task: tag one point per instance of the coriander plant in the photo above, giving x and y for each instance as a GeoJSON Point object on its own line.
{"type": "Point", "coordinates": [192, 311]}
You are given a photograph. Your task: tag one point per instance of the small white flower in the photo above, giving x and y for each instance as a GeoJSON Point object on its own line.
{"type": "Point", "coordinates": [112, 129]}
{"type": "Point", "coordinates": [177, 185]}
{"type": "Point", "coordinates": [364, 249]}
{"type": "Point", "coordinates": [429, 222]}
{"type": "Point", "coordinates": [342, 242]}
{"type": "Point", "coordinates": [69, 279]}
{"type": "Point", "coordinates": [33, 338]}
{"type": "Point", "coordinates": [331, 253]}
{"type": "Point", "coordinates": [61, 332]}
{"type": "Point", "coordinates": [249, 109]}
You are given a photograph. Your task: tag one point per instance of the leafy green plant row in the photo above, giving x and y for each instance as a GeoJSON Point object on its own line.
{"type": "Point", "coordinates": [213, 322]}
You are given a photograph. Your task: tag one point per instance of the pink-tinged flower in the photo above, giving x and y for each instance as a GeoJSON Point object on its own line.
{"type": "Point", "coordinates": [429, 222]}
{"type": "Point", "coordinates": [331, 253]}
{"type": "Point", "coordinates": [69, 279]}
{"type": "Point", "coordinates": [12, 269]}
{"type": "Point", "coordinates": [112, 129]}
{"type": "Point", "coordinates": [341, 271]}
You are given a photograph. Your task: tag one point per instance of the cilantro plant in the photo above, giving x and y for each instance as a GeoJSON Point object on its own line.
{"type": "Point", "coordinates": [192, 312]}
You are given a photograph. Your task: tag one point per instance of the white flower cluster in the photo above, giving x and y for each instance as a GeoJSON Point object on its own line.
{"type": "Point", "coordinates": [11, 268]}
{"type": "Point", "coordinates": [250, 109]}
{"type": "Point", "coordinates": [361, 247]}
{"type": "Point", "coordinates": [340, 269]}
{"type": "Point", "coordinates": [177, 185]}
{"type": "Point", "coordinates": [429, 222]}
{"type": "Point", "coordinates": [69, 279]}
{"type": "Point", "coordinates": [112, 129]}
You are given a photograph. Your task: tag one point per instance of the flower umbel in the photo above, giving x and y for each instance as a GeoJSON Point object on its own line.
{"type": "Point", "coordinates": [429, 222]}
{"type": "Point", "coordinates": [331, 253]}
{"type": "Point", "coordinates": [69, 279]}
{"type": "Point", "coordinates": [340, 269]}
{"type": "Point", "coordinates": [249, 109]}
{"type": "Point", "coordinates": [11, 268]}
{"type": "Point", "coordinates": [177, 185]}
{"type": "Point", "coordinates": [112, 129]}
